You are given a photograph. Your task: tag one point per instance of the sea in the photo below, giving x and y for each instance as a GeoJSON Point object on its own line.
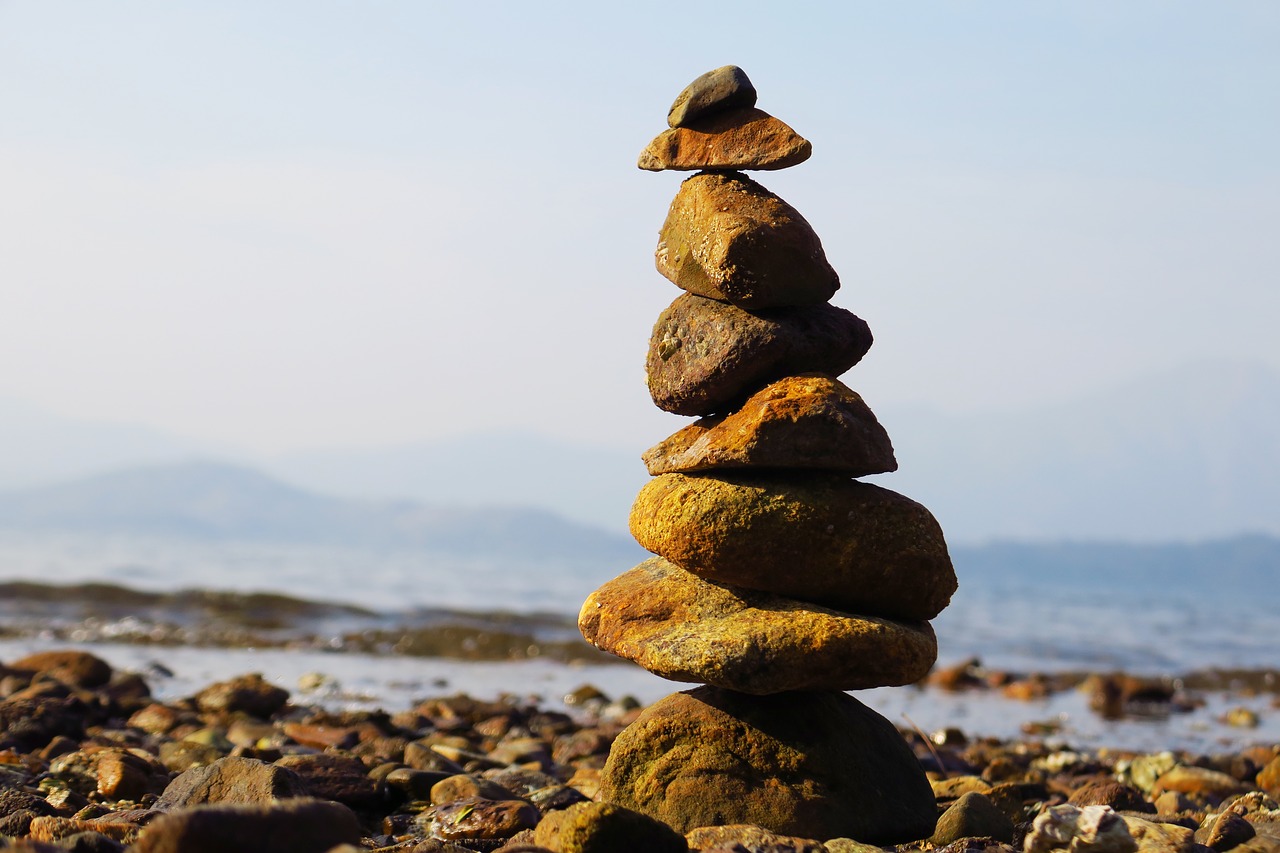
{"type": "Point", "coordinates": [1016, 622]}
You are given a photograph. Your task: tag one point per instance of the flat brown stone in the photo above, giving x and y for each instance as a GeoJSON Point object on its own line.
{"type": "Point", "coordinates": [745, 138]}
{"type": "Point", "coordinates": [819, 538]}
{"type": "Point", "coordinates": [684, 628]}
{"type": "Point", "coordinates": [812, 764]}
{"type": "Point", "coordinates": [707, 356]}
{"type": "Point", "coordinates": [721, 88]}
{"type": "Point", "coordinates": [728, 238]}
{"type": "Point", "coordinates": [809, 421]}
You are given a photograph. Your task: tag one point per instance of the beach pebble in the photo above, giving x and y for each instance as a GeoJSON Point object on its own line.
{"type": "Point", "coordinates": [747, 837]}
{"type": "Point", "coordinates": [728, 238]}
{"type": "Point", "coordinates": [295, 826]}
{"type": "Point", "coordinates": [479, 819]}
{"type": "Point", "coordinates": [232, 780]}
{"type": "Point", "coordinates": [1199, 783]}
{"type": "Point", "coordinates": [330, 776]}
{"type": "Point", "coordinates": [1222, 832]}
{"type": "Point", "coordinates": [863, 549]}
{"type": "Point", "coordinates": [744, 138]}
{"type": "Point", "coordinates": [972, 816]}
{"type": "Point", "coordinates": [706, 356]}
{"type": "Point", "coordinates": [77, 668]}
{"type": "Point", "coordinates": [251, 694]}
{"type": "Point", "coordinates": [605, 828]}
{"type": "Point", "coordinates": [1093, 829]}
{"type": "Point", "coordinates": [721, 88]}
{"type": "Point", "coordinates": [1117, 795]}
{"type": "Point", "coordinates": [465, 786]}
{"type": "Point", "coordinates": [804, 422]}
{"type": "Point", "coordinates": [1268, 778]}
{"type": "Point", "coordinates": [679, 626]}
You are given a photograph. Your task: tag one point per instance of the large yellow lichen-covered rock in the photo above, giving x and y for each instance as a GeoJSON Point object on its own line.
{"type": "Point", "coordinates": [820, 538]}
{"type": "Point", "coordinates": [813, 764]}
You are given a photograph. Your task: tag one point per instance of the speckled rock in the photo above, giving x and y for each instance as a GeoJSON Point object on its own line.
{"type": "Point", "coordinates": [296, 826]}
{"type": "Point", "coordinates": [681, 627]}
{"type": "Point", "coordinates": [1095, 829]}
{"type": "Point", "coordinates": [824, 539]}
{"type": "Point", "coordinates": [605, 828]}
{"type": "Point", "coordinates": [721, 88]}
{"type": "Point", "coordinates": [706, 356]}
{"type": "Point", "coordinates": [728, 238]}
{"type": "Point", "coordinates": [744, 138]}
{"type": "Point", "coordinates": [815, 765]}
{"type": "Point", "coordinates": [800, 422]}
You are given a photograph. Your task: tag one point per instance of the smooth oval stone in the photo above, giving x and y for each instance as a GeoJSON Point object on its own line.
{"type": "Point", "coordinates": [745, 138]}
{"type": "Point", "coordinates": [707, 356]}
{"type": "Point", "coordinates": [728, 238]}
{"type": "Point", "coordinates": [719, 89]}
{"type": "Point", "coordinates": [813, 764]}
{"type": "Point", "coordinates": [809, 421]}
{"type": "Point", "coordinates": [824, 539]}
{"type": "Point", "coordinates": [684, 628]}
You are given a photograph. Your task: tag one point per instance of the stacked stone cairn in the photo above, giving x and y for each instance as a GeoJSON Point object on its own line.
{"type": "Point", "coordinates": [780, 581]}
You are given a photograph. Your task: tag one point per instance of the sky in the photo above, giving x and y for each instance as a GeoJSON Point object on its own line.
{"type": "Point", "coordinates": [291, 225]}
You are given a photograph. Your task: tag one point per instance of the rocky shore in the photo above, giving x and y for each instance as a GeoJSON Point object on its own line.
{"type": "Point", "coordinates": [91, 761]}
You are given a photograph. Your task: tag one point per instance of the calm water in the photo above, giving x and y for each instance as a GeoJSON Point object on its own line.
{"type": "Point", "coordinates": [1013, 623]}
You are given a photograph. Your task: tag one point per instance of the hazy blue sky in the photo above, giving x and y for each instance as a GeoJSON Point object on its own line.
{"type": "Point", "coordinates": [295, 224]}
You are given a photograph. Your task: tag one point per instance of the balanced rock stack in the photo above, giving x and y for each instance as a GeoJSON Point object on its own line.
{"type": "Point", "coordinates": [780, 581]}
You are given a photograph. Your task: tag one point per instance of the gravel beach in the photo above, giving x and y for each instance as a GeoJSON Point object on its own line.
{"type": "Point", "coordinates": [91, 760]}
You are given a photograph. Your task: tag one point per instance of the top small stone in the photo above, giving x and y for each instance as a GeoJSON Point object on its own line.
{"type": "Point", "coordinates": [724, 88]}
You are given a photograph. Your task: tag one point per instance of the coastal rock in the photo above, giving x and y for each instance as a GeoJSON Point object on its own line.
{"type": "Point", "coordinates": [605, 828]}
{"type": "Point", "coordinates": [296, 826]}
{"type": "Point", "coordinates": [231, 780]}
{"type": "Point", "coordinates": [806, 422]}
{"type": "Point", "coordinates": [706, 355]}
{"type": "Point", "coordinates": [77, 668]}
{"type": "Point", "coordinates": [719, 89]}
{"type": "Point", "coordinates": [815, 765]}
{"type": "Point", "coordinates": [32, 723]}
{"type": "Point", "coordinates": [1096, 829]}
{"type": "Point", "coordinates": [972, 816]}
{"type": "Point", "coordinates": [1159, 837]}
{"type": "Point", "coordinates": [728, 238]}
{"type": "Point", "coordinates": [745, 138]}
{"type": "Point", "coordinates": [824, 539]}
{"type": "Point", "coordinates": [681, 627]}
{"type": "Point", "coordinates": [478, 819]}
{"type": "Point", "coordinates": [330, 776]}
{"type": "Point", "coordinates": [250, 693]}
{"type": "Point", "coordinates": [752, 838]}
{"type": "Point", "coordinates": [1199, 782]}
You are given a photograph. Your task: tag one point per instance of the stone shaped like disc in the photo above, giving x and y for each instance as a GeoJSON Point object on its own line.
{"type": "Point", "coordinates": [819, 538]}
{"type": "Point", "coordinates": [719, 89]}
{"type": "Point", "coordinates": [809, 421]}
{"type": "Point", "coordinates": [707, 356]}
{"type": "Point", "coordinates": [745, 138]}
{"type": "Point", "coordinates": [728, 238]}
{"type": "Point", "coordinates": [684, 628]}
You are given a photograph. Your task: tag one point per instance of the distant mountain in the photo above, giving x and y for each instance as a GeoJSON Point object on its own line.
{"type": "Point", "coordinates": [1185, 455]}
{"type": "Point", "coordinates": [205, 500]}
{"type": "Point", "coordinates": [592, 484]}
{"type": "Point", "coordinates": [38, 447]}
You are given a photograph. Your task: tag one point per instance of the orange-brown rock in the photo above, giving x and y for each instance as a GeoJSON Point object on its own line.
{"type": "Point", "coordinates": [728, 238]}
{"type": "Point", "coordinates": [820, 538]}
{"type": "Point", "coordinates": [813, 764]}
{"type": "Point", "coordinates": [684, 628]}
{"type": "Point", "coordinates": [745, 138]}
{"type": "Point", "coordinates": [706, 356]}
{"type": "Point", "coordinates": [70, 666]}
{"type": "Point", "coordinates": [809, 421]}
